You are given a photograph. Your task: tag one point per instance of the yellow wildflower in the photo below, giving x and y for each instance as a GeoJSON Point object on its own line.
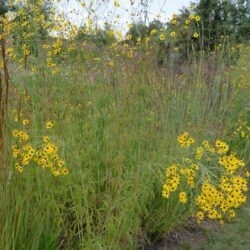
{"type": "Point", "coordinates": [49, 124]}
{"type": "Point", "coordinates": [195, 35]}
{"type": "Point", "coordinates": [26, 122]}
{"type": "Point", "coordinates": [162, 37]}
{"type": "Point", "coordinates": [183, 197]}
{"type": "Point", "coordinates": [172, 34]}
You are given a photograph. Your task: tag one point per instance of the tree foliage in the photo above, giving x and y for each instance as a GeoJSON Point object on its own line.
{"type": "Point", "coordinates": [100, 37]}
{"type": "Point", "coordinates": [31, 18]}
{"type": "Point", "coordinates": [224, 18]}
{"type": "Point", "coordinates": [3, 7]}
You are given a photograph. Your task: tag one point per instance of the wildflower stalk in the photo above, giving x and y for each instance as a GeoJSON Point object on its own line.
{"type": "Point", "coordinates": [4, 94]}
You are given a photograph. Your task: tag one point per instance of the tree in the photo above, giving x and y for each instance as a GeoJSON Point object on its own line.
{"type": "Point", "coordinates": [243, 19]}
{"type": "Point", "coordinates": [156, 25]}
{"type": "Point", "coordinates": [3, 7]}
{"type": "Point", "coordinates": [98, 36]}
{"type": "Point", "coordinates": [31, 27]}
{"type": "Point", "coordinates": [138, 30]}
{"type": "Point", "coordinates": [224, 18]}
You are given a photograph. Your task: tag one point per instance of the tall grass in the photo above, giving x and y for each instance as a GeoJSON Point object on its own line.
{"type": "Point", "coordinates": [116, 129]}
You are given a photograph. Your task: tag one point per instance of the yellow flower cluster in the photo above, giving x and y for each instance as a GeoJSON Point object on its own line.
{"type": "Point", "coordinates": [189, 174]}
{"type": "Point", "coordinates": [26, 50]}
{"type": "Point", "coordinates": [46, 156]}
{"type": "Point", "coordinates": [221, 147]}
{"type": "Point", "coordinates": [220, 202]}
{"type": "Point", "coordinates": [21, 135]}
{"type": "Point", "coordinates": [183, 197]}
{"type": "Point", "coordinates": [54, 52]}
{"type": "Point", "coordinates": [199, 153]}
{"type": "Point", "coordinates": [175, 174]}
{"type": "Point", "coordinates": [61, 29]}
{"type": "Point", "coordinates": [185, 140]}
{"type": "Point", "coordinates": [57, 46]}
{"type": "Point", "coordinates": [243, 130]}
{"type": "Point", "coordinates": [209, 199]}
{"type": "Point", "coordinates": [217, 191]}
{"type": "Point", "coordinates": [208, 147]}
{"type": "Point", "coordinates": [10, 52]}
{"type": "Point", "coordinates": [172, 182]}
{"type": "Point", "coordinates": [231, 163]}
{"type": "Point", "coordinates": [192, 17]}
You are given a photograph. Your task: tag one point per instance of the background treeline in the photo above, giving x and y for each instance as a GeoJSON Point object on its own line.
{"type": "Point", "coordinates": [218, 17]}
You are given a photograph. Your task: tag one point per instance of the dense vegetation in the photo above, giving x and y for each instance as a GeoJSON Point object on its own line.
{"type": "Point", "coordinates": [112, 140]}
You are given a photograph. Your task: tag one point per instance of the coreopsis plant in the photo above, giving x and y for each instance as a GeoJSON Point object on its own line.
{"type": "Point", "coordinates": [44, 154]}
{"type": "Point", "coordinates": [213, 178]}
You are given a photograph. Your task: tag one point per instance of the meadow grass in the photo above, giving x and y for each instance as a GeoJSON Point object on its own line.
{"type": "Point", "coordinates": [232, 235]}
{"type": "Point", "coordinates": [116, 129]}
